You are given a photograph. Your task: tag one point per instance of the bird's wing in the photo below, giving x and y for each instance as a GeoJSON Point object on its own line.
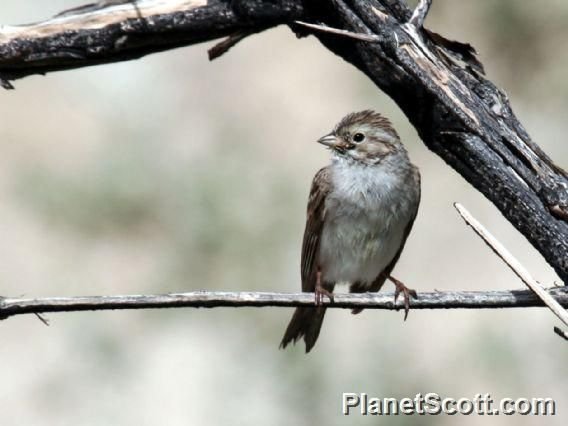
{"type": "Point", "coordinates": [321, 187]}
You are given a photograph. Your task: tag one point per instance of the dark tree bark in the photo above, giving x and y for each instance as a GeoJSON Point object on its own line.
{"type": "Point", "coordinates": [439, 84]}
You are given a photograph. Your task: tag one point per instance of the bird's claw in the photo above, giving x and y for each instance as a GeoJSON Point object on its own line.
{"type": "Point", "coordinates": [320, 292]}
{"type": "Point", "coordinates": [407, 292]}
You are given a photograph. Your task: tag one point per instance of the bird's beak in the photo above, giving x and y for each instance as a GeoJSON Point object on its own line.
{"type": "Point", "coordinates": [335, 142]}
{"type": "Point", "coordinates": [329, 140]}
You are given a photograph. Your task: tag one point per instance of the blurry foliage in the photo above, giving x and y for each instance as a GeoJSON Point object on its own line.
{"type": "Point", "coordinates": [522, 39]}
{"type": "Point", "coordinates": [521, 43]}
{"type": "Point", "coordinates": [514, 38]}
{"type": "Point", "coordinates": [106, 198]}
{"type": "Point", "coordinates": [208, 211]}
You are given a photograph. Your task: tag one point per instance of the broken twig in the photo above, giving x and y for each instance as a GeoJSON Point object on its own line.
{"type": "Point", "coordinates": [514, 264]}
{"type": "Point", "coordinates": [344, 33]}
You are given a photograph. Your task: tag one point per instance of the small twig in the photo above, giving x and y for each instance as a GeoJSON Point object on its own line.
{"type": "Point", "coordinates": [223, 46]}
{"type": "Point", "coordinates": [205, 299]}
{"type": "Point", "coordinates": [344, 33]}
{"type": "Point", "coordinates": [44, 320]}
{"type": "Point", "coordinates": [419, 15]}
{"type": "Point", "coordinates": [513, 263]}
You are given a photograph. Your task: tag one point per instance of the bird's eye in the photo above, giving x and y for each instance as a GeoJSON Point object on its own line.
{"type": "Point", "coordinates": [358, 137]}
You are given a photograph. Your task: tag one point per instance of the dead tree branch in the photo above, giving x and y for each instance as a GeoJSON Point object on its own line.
{"type": "Point", "coordinates": [438, 83]}
{"type": "Point", "coordinates": [203, 299]}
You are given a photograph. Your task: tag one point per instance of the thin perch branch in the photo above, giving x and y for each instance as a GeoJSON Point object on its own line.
{"type": "Point", "coordinates": [513, 263]}
{"type": "Point", "coordinates": [205, 299]}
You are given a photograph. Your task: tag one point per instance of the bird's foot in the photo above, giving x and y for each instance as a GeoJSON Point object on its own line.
{"type": "Point", "coordinates": [407, 292]}
{"type": "Point", "coordinates": [320, 292]}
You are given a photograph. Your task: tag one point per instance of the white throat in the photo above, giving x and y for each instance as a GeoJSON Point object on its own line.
{"type": "Point", "coordinates": [353, 178]}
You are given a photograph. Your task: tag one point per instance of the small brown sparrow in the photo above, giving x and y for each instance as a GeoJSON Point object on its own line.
{"type": "Point", "coordinates": [360, 211]}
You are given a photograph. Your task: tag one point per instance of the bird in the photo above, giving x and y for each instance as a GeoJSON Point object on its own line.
{"type": "Point", "coordinates": [361, 208]}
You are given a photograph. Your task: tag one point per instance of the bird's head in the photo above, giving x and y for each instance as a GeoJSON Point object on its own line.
{"type": "Point", "coordinates": [364, 136]}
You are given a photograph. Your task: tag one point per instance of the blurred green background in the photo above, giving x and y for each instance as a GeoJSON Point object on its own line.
{"type": "Point", "coordinates": [173, 174]}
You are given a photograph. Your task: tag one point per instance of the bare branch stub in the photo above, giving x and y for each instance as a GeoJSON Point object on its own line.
{"type": "Point", "coordinates": [223, 46]}
{"type": "Point", "coordinates": [6, 84]}
{"type": "Point", "coordinates": [419, 15]}
{"type": "Point", "coordinates": [458, 113]}
{"type": "Point", "coordinates": [343, 33]}
{"type": "Point", "coordinates": [561, 333]}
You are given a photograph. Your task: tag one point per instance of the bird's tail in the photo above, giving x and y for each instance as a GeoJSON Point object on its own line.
{"type": "Point", "coordinates": [306, 323]}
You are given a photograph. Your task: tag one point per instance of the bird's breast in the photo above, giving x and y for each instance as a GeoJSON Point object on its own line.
{"type": "Point", "coordinates": [366, 215]}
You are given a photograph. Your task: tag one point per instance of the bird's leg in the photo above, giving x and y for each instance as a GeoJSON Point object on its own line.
{"type": "Point", "coordinates": [320, 290]}
{"type": "Point", "coordinates": [407, 292]}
